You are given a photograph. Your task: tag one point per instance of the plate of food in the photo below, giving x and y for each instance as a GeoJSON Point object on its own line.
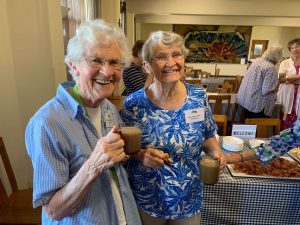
{"type": "Point", "coordinates": [281, 168]}
{"type": "Point", "coordinates": [295, 154]}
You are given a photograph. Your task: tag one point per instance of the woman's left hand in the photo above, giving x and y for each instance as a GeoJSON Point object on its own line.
{"type": "Point", "coordinates": [213, 149]}
{"type": "Point", "coordinates": [153, 158]}
{"type": "Point", "coordinates": [222, 158]}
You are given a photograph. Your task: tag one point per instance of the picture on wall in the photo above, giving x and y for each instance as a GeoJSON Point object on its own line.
{"type": "Point", "coordinates": [258, 47]}
{"type": "Point", "coordinates": [215, 45]}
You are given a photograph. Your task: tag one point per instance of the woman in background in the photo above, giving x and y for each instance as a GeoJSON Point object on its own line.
{"type": "Point", "coordinates": [135, 77]}
{"type": "Point", "coordinates": [289, 92]}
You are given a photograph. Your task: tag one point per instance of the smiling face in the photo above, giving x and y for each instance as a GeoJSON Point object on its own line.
{"type": "Point", "coordinates": [166, 64]}
{"type": "Point", "coordinates": [295, 50]}
{"type": "Point", "coordinates": [97, 83]}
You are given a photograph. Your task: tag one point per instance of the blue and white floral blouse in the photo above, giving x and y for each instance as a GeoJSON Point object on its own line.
{"type": "Point", "coordinates": [280, 144]}
{"type": "Point", "coordinates": [173, 191]}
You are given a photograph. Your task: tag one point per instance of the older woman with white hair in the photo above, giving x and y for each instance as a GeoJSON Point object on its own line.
{"type": "Point", "coordinates": [73, 140]}
{"type": "Point", "coordinates": [257, 93]}
{"type": "Point", "coordinates": [177, 126]}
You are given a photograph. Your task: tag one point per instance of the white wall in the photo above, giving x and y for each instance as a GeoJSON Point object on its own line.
{"type": "Point", "coordinates": [289, 8]}
{"type": "Point", "coordinates": [150, 27]}
{"type": "Point", "coordinates": [269, 23]}
{"type": "Point", "coordinates": [31, 65]}
{"type": "Point", "coordinates": [276, 35]}
{"type": "Point", "coordinates": [110, 10]}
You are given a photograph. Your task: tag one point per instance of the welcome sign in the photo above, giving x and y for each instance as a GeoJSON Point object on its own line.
{"type": "Point", "coordinates": [246, 132]}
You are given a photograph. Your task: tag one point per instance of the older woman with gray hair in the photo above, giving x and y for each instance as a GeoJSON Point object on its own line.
{"type": "Point", "coordinates": [177, 126]}
{"type": "Point", "coordinates": [73, 140]}
{"type": "Point", "coordinates": [257, 93]}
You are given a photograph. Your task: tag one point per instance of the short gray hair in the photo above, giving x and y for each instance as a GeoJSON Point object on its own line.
{"type": "Point", "coordinates": [163, 39]}
{"type": "Point", "coordinates": [273, 53]}
{"type": "Point", "coordinates": [88, 33]}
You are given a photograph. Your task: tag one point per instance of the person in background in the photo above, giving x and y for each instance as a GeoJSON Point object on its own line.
{"type": "Point", "coordinates": [257, 93]}
{"type": "Point", "coordinates": [73, 140]}
{"type": "Point", "coordinates": [273, 148]}
{"type": "Point", "coordinates": [289, 92]}
{"type": "Point", "coordinates": [135, 76]}
{"type": "Point", "coordinates": [177, 126]}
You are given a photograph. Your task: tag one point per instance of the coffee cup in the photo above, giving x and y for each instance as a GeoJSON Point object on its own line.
{"type": "Point", "coordinates": [131, 134]}
{"type": "Point", "coordinates": [209, 170]}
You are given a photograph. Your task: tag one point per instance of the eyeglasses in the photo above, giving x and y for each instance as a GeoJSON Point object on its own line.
{"type": "Point", "coordinates": [98, 63]}
{"type": "Point", "coordinates": [163, 58]}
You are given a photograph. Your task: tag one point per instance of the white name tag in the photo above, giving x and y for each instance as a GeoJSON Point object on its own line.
{"type": "Point", "coordinates": [194, 115]}
{"type": "Point", "coordinates": [108, 116]}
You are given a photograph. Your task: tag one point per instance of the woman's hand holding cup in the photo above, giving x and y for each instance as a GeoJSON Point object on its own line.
{"type": "Point", "coordinates": [108, 152]}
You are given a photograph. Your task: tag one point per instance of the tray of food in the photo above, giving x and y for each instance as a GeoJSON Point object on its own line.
{"type": "Point", "coordinates": [281, 168]}
{"type": "Point", "coordinates": [295, 154]}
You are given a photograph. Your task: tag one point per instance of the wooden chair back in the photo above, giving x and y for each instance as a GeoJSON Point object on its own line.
{"type": "Point", "coordinates": [238, 114]}
{"type": "Point", "coordinates": [117, 101]}
{"type": "Point", "coordinates": [219, 100]}
{"type": "Point", "coordinates": [221, 121]}
{"type": "Point", "coordinates": [230, 82]}
{"type": "Point", "coordinates": [188, 69]}
{"type": "Point", "coordinates": [9, 171]}
{"type": "Point", "coordinates": [263, 124]}
{"type": "Point", "coordinates": [17, 207]}
{"type": "Point", "coordinates": [238, 79]}
{"type": "Point", "coordinates": [223, 88]}
{"type": "Point", "coordinates": [194, 81]}
{"type": "Point", "coordinates": [3, 195]}
{"type": "Point", "coordinates": [202, 85]}
{"type": "Point", "coordinates": [217, 108]}
{"type": "Point", "coordinates": [204, 74]}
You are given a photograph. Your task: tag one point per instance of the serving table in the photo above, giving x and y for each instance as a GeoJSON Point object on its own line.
{"type": "Point", "coordinates": [241, 200]}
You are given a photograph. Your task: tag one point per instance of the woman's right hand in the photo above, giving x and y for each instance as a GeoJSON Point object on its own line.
{"type": "Point", "coordinates": [108, 151]}
{"type": "Point", "coordinates": [292, 79]}
{"type": "Point", "coordinates": [153, 158]}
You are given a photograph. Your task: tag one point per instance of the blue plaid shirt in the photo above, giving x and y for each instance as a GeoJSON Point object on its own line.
{"type": "Point", "coordinates": [257, 90]}
{"type": "Point", "coordinates": [59, 139]}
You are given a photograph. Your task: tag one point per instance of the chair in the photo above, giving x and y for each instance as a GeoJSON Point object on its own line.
{"type": "Point", "coordinates": [238, 114]}
{"type": "Point", "coordinates": [17, 207]}
{"type": "Point", "coordinates": [263, 124]}
{"type": "Point", "coordinates": [205, 74]}
{"type": "Point", "coordinates": [221, 119]}
{"type": "Point", "coordinates": [188, 71]}
{"type": "Point", "coordinates": [195, 81]}
{"type": "Point", "coordinates": [238, 79]}
{"type": "Point", "coordinates": [223, 88]}
{"type": "Point", "coordinates": [230, 82]}
{"type": "Point", "coordinates": [117, 101]}
{"type": "Point", "coordinates": [202, 85]}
